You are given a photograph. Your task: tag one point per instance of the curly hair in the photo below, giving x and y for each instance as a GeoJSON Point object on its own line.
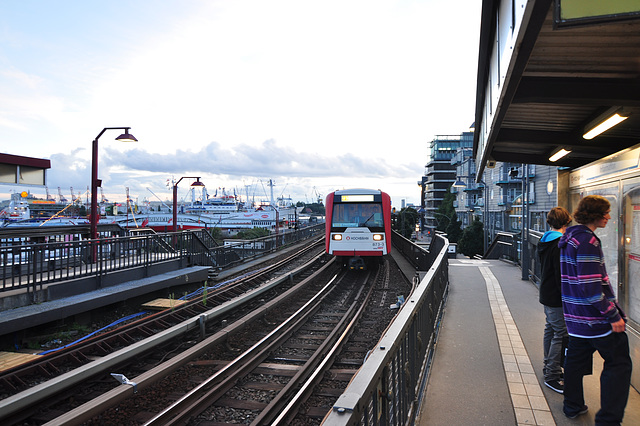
{"type": "Point", "coordinates": [558, 217]}
{"type": "Point", "coordinates": [591, 208]}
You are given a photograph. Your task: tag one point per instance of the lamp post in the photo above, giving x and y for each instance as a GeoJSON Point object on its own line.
{"type": "Point", "coordinates": [460, 184]}
{"type": "Point", "coordinates": [95, 182]}
{"type": "Point", "coordinates": [175, 197]}
{"type": "Point", "coordinates": [449, 221]}
{"type": "Point", "coordinates": [525, 222]}
{"type": "Point", "coordinates": [524, 243]}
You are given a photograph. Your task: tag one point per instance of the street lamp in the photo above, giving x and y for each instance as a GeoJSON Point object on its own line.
{"type": "Point", "coordinates": [175, 197]}
{"type": "Point", "coordinates": [524, 249]}
{"type": "Point", "coordinates": [449, 219]}
{"type": "Point", "coordinates": [95, 182]}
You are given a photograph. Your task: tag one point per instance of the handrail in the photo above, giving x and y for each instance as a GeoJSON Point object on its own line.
{"type": "Point", "coordinates": [32, 263]}
{"type": "Point", "coordinates": [388, 387]}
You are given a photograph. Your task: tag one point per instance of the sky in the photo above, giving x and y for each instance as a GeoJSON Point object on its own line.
{"type": "Point", "coordinates": [312, 96]}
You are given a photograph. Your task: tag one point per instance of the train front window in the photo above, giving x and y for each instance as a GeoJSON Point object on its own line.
{"type": "Point", "coordinates": [351, 215]}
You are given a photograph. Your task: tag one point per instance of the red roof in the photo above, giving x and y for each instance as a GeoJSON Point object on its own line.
{"type": "Point", "coordinates": [19, 160]}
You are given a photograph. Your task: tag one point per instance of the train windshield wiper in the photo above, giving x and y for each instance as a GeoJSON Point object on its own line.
{"type": "Point", "coordinates": [370, 217]}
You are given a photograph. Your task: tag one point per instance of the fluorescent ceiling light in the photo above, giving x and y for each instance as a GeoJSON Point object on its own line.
{"type": "Point", "coordinates": [558, 155]}
{"type": "Point", "coordinates": [605, 125]}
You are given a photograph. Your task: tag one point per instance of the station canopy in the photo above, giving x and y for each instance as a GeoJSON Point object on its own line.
{"type": "Point", "coordinates": [570, 68]}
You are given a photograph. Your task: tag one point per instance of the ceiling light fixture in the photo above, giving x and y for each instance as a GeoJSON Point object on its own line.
{"type": "Point", "coordinates": [604, 122]}
{"type": "Point", "coordinates": [558, 155]}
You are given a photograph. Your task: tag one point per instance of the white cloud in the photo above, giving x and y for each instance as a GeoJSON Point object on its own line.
{"type": "Point", "coordinates": [338, 87]}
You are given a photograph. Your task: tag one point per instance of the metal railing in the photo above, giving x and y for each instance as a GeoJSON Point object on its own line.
{"type": "Point", "coordinates": [535, 271]}
{"type": "Point", "coordinates": [388, 387]}
{"type": "Point", "coordinates": [415, 254]}
{"type": "Point", "coordinates": [24, 264]}
{"type": "Point", "coordinates": [505, 245]}
{"type": "Point", "coordinates": [508, 246]}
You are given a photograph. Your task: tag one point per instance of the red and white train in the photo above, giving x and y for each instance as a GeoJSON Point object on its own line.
{"type": "Point", "coordinates": [358, 226]}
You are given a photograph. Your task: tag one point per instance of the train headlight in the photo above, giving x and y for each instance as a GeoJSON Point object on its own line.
{"type": "Point", "coordinates": [337, 237]}
{"type": "Point", "coordinates": [378, 237]}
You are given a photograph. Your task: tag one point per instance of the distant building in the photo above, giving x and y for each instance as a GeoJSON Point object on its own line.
{"type": "Point", "coordinates": [440, 173]}
{"type": "Point", "coordinates": [452, 167]}
{"type": "Point", "coordinates": [501, 187]}
{"type": "Point", "coordinates": [469, 201]}
{"type": "Point", "coordinates": [19, 170]}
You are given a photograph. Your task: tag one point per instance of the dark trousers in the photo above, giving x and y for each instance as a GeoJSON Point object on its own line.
{"type": "Point", "coordinates": [615, 378]}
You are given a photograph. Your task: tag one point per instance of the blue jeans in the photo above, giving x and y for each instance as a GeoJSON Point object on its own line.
{"type": "Point", "coordinates": [615, 378]}
{"type": "Point", "coordinates": [555, 332]}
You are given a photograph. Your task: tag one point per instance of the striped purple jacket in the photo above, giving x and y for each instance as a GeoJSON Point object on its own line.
{"type": "Point", "coordinates": [588, 300]}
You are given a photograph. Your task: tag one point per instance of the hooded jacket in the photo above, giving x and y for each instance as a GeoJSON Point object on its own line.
{"type": "Point", "coordinates": [549, 255]}
{"type": "Point", "coordinates": [588, 300]}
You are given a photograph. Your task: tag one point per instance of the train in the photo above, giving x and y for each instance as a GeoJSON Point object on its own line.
{"type": "Point", "coordinates": [358, 226]}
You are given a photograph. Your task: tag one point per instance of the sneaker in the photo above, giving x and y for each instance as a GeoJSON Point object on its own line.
{"type": "Point", "coordinates": [579, 413]}
{"type": "Point", "coordinates": [555, 385]}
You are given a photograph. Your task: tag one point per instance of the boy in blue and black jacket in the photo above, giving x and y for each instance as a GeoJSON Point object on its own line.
{"type": "Point", "coordinates": [555, 330]}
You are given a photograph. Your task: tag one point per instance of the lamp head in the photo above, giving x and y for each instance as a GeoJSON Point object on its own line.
{"type": "Point", "coordinates": [126, 137]}
{"type": "Point", "coordinates": [197, 183]}
{"type": "Point", "coordinates": [459, 184]}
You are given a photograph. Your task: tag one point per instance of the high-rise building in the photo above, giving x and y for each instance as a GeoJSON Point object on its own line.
{"type": "Point", "coordinates": [440, 173]}
{"type": "Point", "coordinates": [496, 199]}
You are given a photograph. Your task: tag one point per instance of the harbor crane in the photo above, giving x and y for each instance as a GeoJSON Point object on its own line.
{"type": "Point", "coordinates": [63, 200]}
{"type": "Point", "coordinates": [103, 199]}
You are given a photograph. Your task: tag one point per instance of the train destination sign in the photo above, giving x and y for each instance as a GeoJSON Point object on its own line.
{"type": "Point", "coordinates": [360, 198]}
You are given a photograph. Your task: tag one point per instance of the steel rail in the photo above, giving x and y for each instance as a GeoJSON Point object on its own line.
{"type": "Point", "coordinates": [32, 396]}
{"type": "Point", "coordinates": [117, 395]}
{"type": "Point", "coordinates": [283, 408]}
{"type": "Point", "coordinates": [200, 397]}
{"type": "Point", "coordinates": [159, 320]}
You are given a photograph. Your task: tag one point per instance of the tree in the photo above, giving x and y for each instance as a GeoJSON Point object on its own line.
{"type": "Point", "coordinates": [454, 229]}
{"type": "Point", "coordinates": [252, 234]}
{"type": "Point", "coordinates": [405, 221]}
{"type": "Point", "coordinates": [446, 211]}
{"type": "Point", "coordinates": [216, 233]}
{"type": "Point", "coordinates": [316, 208]}
{"type": "Point", "coordinates": [472, 240]}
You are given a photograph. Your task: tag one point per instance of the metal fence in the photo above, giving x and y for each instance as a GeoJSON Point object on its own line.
{"type": "Point", "coordinates": [508, 246]}
{"type": "Point", "coordinates": [505, 245]}
{"type": "Point", "coordinates": [25, 264]}
{"type": "Point", "coordinates": [389, 386]}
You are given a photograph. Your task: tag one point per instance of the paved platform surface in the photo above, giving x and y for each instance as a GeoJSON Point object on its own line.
{"type": "Point", "coordinates": [37, 314]}
{"type": "Point", "coordinates": [487, 368]}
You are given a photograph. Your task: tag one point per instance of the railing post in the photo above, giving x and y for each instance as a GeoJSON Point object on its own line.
{"type": "Point", "coordinates": [146, 259]}
{"type": "Point", "coordinates": [34, 262]}
{"type": "Point", "coordinates": [97, 248]}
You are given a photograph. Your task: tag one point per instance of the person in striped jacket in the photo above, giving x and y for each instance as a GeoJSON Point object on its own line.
{"type": "Point", "coordinates": [593, 317]}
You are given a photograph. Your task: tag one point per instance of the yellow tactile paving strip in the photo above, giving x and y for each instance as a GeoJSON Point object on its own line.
{"type": "Point", "coordinates": [529, 403]}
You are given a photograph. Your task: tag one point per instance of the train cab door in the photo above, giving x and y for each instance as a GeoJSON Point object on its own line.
{"type": "Point", "coordinates": [609, 236]}
{"type": "Point", "coordinates": [630, 284]}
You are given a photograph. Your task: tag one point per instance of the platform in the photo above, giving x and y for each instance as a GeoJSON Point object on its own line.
{"type": "Point", "coordinates": [33, 315]}
{"type": "Point", "coordinates": [487, 368]}
{"type": "Point", "coordinates": [26, 315]}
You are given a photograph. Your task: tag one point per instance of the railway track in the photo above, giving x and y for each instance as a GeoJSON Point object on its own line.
{"type": "Point", "coordinates": [292, 355]}
{"type": "Point", "coordinates": [295, 381]}
{"type": "Point", "coordinates": [161, 334]}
